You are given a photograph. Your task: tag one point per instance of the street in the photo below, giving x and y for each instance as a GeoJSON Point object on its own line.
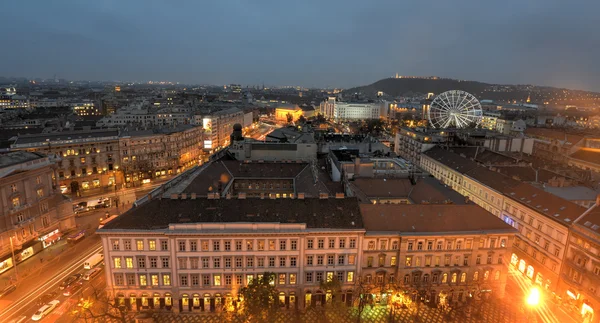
{"type": "Point", "coordinates": [43, 272]}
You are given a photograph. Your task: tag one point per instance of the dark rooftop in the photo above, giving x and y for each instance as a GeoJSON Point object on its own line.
{"type": "Point", "coordinates": [17, 157]}
{"type": "Point", "coordinates": [587, 155]}
{"type": "Point", "coordinates": [427, 190]}
{"type": "Point", "coordinates": [316, 213]}
{"type": "Point", "coordinates": [66, 135]}
{"type": "Point", "coordinates": [431, 218]}
{"type": "Point", "coordinates": [450, 159]}
{"type": "Point", "coordinates": [591, 221]}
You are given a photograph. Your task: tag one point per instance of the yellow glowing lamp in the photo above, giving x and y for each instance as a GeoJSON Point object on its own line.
{"type": "Point", "coordinates": [534, 297]}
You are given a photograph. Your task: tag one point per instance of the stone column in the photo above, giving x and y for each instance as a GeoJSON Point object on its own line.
{"type": "Point", "coordinates": [175, 307]}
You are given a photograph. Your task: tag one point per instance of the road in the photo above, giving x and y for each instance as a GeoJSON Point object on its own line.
{"type": "Point", "coordinates": [47, 279]}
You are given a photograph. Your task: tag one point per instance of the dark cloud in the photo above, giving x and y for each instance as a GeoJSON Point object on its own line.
{"type": "Point", "coordinates": [311, 43]}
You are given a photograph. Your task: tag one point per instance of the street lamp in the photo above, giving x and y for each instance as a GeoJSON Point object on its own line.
{"type": "Point", "coordinates": [533, 300]}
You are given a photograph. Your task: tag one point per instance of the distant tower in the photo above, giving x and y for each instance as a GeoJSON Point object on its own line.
{"type": "Point", "coordinates": [236, 135]}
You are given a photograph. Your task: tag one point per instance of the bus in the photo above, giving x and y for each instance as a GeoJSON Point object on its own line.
{"type": "Point", "coordinates": [93, 261]}
{"type": "Point", "coordinates": [76, 237]}
{"type": "Point", "coordinates": [105, 221]}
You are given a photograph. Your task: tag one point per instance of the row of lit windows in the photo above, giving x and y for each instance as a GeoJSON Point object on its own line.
{"type": "Point", "coordinates": [235, 245]}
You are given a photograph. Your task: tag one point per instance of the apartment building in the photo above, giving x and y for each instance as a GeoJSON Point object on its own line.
{"type": "Point", "coordinates": [194, 255]}
{"type": "Point", "coordinates": [341, 111]}
{"type": "Point", "coordinates": [147, 154]}
{"type": "Point", "coordinates": [218, 125]}
{"type": "Point", "coordinates": [580, 275]}
{"type": "Point", "coordinates": [543, 219]}
{"type": "Point", "coordinates": [435, 250]}
{"type": "Point", "coordinates": [410, 143]}
{"type": "Point", "coordinates": [33, 213]}
{"type": "Point", "coordinates": [88, 158]}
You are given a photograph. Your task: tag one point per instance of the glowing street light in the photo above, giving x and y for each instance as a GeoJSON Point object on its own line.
{"type": "Point", "coordinates": [534, 297]}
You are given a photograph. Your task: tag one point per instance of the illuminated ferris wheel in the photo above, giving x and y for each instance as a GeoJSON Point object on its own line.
{"type": "Point", "coordinates": [454, 109]}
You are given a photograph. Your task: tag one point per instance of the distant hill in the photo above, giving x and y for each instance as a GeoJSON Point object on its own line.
{"type": "Point", "coordinates": [396, 87]}
{"type": "Point", "coordinates": [402, 86]}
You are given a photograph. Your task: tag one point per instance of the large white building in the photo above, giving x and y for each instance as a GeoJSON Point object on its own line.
{"type": "Point", "coordinates": [337, 110]}
{"type": "Point", "coordinates": [192, 249]}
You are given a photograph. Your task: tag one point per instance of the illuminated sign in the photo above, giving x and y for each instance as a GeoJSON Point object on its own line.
{"type": "Point", "coordinates": [207, 144]}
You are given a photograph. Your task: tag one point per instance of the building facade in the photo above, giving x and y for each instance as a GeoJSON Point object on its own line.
{"type": "Point", "coordinates": [88, 158]}
{"type": "Point", "coordinates": [33, 213]}
{"type": "Point", "coordinates": [542, 219]}
{"type": "Point", "coordinates": [200, 266]}
{"type": "Point", "coordinates": [150, 154]}
{"type": "Point", "coordinates": [217, 127]}
{"type": "Point", "coordinates": [580, 274]}
{"type": "Point", "coordinates": [341, 111]}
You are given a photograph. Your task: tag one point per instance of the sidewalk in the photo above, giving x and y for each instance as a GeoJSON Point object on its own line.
{"type": "Point", "coordinates": [34, 264]}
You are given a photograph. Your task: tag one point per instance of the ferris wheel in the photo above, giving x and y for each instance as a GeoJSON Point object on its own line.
{"type": "Point", "coordinates": [454, 109]}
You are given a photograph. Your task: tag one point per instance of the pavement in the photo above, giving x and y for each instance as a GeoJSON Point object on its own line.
{"type": "Point", "coordinates": [494, 312]}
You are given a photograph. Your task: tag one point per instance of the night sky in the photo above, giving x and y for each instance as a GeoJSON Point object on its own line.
{"type": "Point", "coordinates": [309, 43]}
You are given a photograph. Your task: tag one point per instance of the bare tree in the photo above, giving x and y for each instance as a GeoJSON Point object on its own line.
{"type": "Point", "coordinates": [99, 306]}
{"type": "Point", "coordinates": [260, 299]}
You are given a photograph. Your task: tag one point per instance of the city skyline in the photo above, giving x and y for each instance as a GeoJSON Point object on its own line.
{"type": "Point", "coordinates": [329, 45]}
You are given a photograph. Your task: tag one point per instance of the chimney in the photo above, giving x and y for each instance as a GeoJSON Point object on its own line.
{"type": "Point", "coordinates": [339, 195]}
{"type": "Point", "coordinates": [193, 196]}
{"type": "Point", "coordinates": [301, 196]}
{"type": "Point", "coordinates": [241, 196]}
{"type": "Point", "coordinates": [174, 196]}
{"type": "Point", "coordinates": [183, 196]}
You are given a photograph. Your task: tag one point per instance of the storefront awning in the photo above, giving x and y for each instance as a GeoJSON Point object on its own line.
{"type": "Point", "coordinates": [53, 238]}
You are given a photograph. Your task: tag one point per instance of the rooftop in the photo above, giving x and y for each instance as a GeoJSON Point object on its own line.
{"type": "Point", "coordinates": [407, 218]}
{"type": "Point", "coordinates": [589, 156]}
{"type": "Point", "coordinates": [573, 193]}
{"type": "Point", "coordinates": [554, 207]}
{"type": "Point", "coordinates": [591, 221]}
{"type": "Point", "coordinates": [451, 159]}
{"type": "Point", "coordinates": [554, 134]}
{"type": "Point", "coordinates": [65, 135]}
{"type": "Point", "coordinates": [17, 157]}
{"type": "Point", "coordinates": [316, 213]}
{"type": "Point", "coordinates": [427, 190]}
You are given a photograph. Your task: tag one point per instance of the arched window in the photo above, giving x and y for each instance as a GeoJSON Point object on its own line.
{"type": "Point", "coordinates": [444, 278]}
{"type": "Point", "coordinates": [454, 276]}
{"type": "Point", "coordinates": [463, 277]}
{"type": "Point", "coordinates": [486, 275]}
{"type": "Point", "coordinates": [426, 278]}
{"type": "Point", "coordinates": [476, 276]}
{"type": "Point", "coordinates": [497, 275]}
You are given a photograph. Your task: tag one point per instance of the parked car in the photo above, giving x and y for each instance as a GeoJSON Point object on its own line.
{"type": "Point", "coordinates": [70, 281]}
{"type": "Point", "coordinates": [91, 273]}
{"type": "Point", "coordinates": [44, 299]}
{"type": "Point", "coordinates": [7, 290]}
{"type": "Point", "coordinates": [73, 289]}
{"type": "Point", "coordinates": [45, 310]}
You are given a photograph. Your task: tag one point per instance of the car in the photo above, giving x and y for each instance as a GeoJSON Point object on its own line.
{"type": "Point", "coordinates": [44, 299]}
{"type": "Point", "coordinates": [7, 290]}
{"type": "Point", "coordinates": [45, 310]}
{"type": "Point", "coordinates": [91, 273]}
{"type": "Point", "coordinates": [72, 290]}
{"type": "Point", "coordinates": [70, 281]}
